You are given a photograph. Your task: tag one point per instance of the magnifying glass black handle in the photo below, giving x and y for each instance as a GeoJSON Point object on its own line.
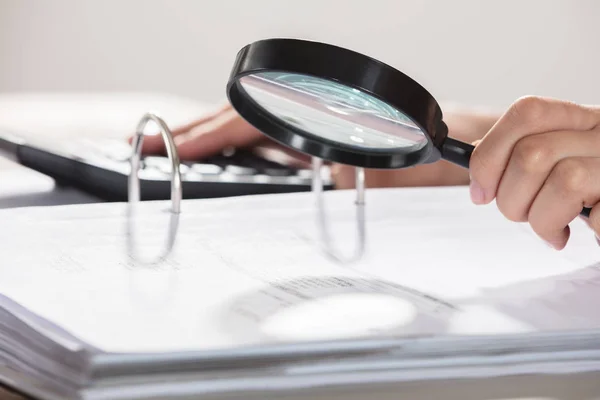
{"type": "Point", "coordinates": [459, 153]}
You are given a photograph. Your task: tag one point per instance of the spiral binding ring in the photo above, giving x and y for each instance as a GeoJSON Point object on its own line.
{"type": "Point", "coordinates": [317, 188]}
{"type": "Point", "coordinates": [134, 183]}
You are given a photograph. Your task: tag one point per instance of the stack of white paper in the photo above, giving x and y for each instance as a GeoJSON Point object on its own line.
{"type": "Point", "coordinates": [247, 300]}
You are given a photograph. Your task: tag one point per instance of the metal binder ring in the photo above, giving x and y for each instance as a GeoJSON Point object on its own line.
{"type": "Point", "coordinates": [317, 188]}
{"type": "Point", "coordinates": [134, 187]}
{"type": "Point", "coordinates": [134, 180]}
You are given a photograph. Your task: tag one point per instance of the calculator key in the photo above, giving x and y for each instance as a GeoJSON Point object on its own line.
{"type": "Point", "coordinates": [305, 173]}
{"type": "Point", "coordinates": [163, 164]}
{"type": "Point", "coordinates": [239, 170]}
{"type": "Point", "coordinates": [153, 174]}
{"type": "Point", "coordinates": [157, 162]}
{"type": "Point", "coordinates": [207, 169]}
{"type": "Point", "coordinates": [278, 171]}
{"type": "Point", "coordinates": [183, 169]}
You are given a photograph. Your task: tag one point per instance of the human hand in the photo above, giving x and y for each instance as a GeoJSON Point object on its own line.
{"type": "Point", "coordinates": [224, 128]}
{"type": "Point", "coordinates": [464, 123]}
{"type": "Point", "coordinates": [215, 132]}
{"type": "Point", "coordinates": [207, 136]}
{"type": "Point", "coordinates": [541, 163]}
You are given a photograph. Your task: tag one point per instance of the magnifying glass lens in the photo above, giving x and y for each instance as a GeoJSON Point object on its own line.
{"type": "Point", "coordinates": [334, 112]}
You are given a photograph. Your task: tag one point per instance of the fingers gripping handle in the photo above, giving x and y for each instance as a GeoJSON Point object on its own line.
{"type": "Point", "coordinates": [459, 153]}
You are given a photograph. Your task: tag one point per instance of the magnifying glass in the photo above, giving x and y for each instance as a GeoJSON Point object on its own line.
{"type": "Point", "coordinates": [341, 106]}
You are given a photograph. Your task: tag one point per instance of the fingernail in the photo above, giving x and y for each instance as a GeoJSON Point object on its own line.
{"type": "Point", "coordinates": [477, 192]}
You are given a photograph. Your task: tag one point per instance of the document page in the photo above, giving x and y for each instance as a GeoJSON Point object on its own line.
{"type": "Point", "coordinates": [251, 270]}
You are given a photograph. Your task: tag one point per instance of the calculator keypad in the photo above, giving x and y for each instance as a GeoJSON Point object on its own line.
{"type": "Point", "coordinates": [239, 165]}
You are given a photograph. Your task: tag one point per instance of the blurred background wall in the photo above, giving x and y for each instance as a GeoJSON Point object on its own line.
{"type": "Point", "coordinates": [471, 51]}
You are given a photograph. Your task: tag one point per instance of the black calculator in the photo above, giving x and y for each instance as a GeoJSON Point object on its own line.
{"type": "Point", "coordinates": [101, 167]}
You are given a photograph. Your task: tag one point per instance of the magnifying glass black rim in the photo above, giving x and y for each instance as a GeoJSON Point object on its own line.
{"type": "Point", "coordinates": [356, 71]}
{"type": "Point", "coordinates": [344, 67]}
